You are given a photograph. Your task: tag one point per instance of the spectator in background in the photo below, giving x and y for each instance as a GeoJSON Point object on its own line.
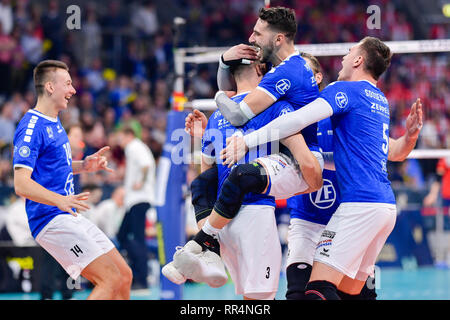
{"type": "Point", "coordinates": [109, 213]}
{"type": "Point", "coordinates": [145, 19]}
{"type": "Point", "coordinates": [429, 138]}
{"type": "Point", "coordinates": [91, 38]}
{"type": "Point", "coordinates": [112, 22]}
{"type": "Point", "coordinates": [6, 16]}
{"type": "Point", "coordinates": [21, 13]}
{"type": "Point", "coordinates": [401, 29]}
{"type": "Point", "coordinates": [52, 24]}
{"type": "Point", "coordinates": [16, 227]}
{"type": "Point", "coordinates": [441, 186]}
{"type": "Point", "coordinates": [7, 48]}
{"type": "Point", "coordinates": [32, 44]}
{"type": "Point", "coordinates": [94, 76]}
{"type": "Point", "coordinates": [201, 84]}
{"type": "Point", "coordinates": [139, 195]}
{"type": "Point", "coordinates": [7, 124]}
{"type": "Point", "coordinates": [75, 135]}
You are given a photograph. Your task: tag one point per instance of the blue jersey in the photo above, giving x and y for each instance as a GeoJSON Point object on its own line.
{"type": "Point", "coordinates": [293, 81]}
{"type": "Point", "coordinates": [219, 129]}
{"type": "Point", "coordinates": [319, 206]}
{"type": "Point", "coordinates": [361, 140]}
{"type": "Point", "coordinates": [41, 145]}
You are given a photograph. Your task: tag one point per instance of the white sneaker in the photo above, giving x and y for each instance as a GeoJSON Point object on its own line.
{"type": "Point", "coordinates": [200, 266]}
{"type": "Point", "coordinates": [171, 273]}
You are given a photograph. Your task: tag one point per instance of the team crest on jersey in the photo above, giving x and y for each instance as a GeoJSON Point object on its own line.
{"type": "Point", "coordinates": [341, 99]}
{"type": "Point", "coordinates": [24, 152]}
{"type": "Point", "coordinates": [283, 86]}
{"type": "Point", "coordinates": [50, 132]}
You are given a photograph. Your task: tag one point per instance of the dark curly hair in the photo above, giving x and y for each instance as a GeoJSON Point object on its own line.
{"type": "Point", "coordinates": [280, 19]}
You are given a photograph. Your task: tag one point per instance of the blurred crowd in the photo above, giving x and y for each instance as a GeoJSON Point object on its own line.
{"type": "Point", "coordinates": [121, 62]}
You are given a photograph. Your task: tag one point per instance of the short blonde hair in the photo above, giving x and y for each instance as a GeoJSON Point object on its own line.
{"type": "Point", "coordinates": [41, 71]}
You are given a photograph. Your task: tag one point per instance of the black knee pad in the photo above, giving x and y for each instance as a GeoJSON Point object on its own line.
{"type": "Point", "coordinates": [204, 193]}
{"type": "Point", "coordinates": [244, 178]}
{"type": "Point", "coordinates": [367, 292]}
{"type": "Point", "coordinates": [321, 290]}
{"type": "Point", "coordinates": [297, 275]}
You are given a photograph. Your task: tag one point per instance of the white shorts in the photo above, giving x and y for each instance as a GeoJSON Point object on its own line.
{"type": "Point", "coordinates": [354, 237]}
{"type": "Point", "coordinates": [250, 248]}
{"type": "Point", "coordinates": [74, 242]}
{"type": "Point", "coordinates": [303, 237]}
{"type": "Point", "coordinates": [285, 177]}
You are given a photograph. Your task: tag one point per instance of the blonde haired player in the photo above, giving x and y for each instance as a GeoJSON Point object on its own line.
{"type": "Point", "coordinates": [43, 174]}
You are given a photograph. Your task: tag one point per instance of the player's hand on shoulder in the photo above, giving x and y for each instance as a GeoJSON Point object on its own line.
{"type": "Point", "coordinates": [97, 161]}
{"type": "Point", "coordinates": [195, 123]}
{"type": "Point", "coordinates": [74, 201]}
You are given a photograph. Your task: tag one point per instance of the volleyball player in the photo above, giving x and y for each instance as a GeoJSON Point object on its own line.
{"type": "Point", "coordinates": [273, 175]}
{"type": "Point", "coordinates": [355, 234]}
{"type": "Point", "coordinates": [43, 174]}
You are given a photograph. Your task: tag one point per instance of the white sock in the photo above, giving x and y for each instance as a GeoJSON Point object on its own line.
{"type": "Point", "coordinates": [209, 229]}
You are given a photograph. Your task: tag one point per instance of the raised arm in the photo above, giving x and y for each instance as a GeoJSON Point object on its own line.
{"type": "Point", "coordinates": [235, 55]}
{"type": "Point", "coordinates": [400, 148]}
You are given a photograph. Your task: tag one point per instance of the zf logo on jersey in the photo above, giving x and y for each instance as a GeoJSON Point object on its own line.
{"type": "Point", "coordinates": [325, 197]}
{"type": "Point", "coordinates": [283, 86]}
{"type": "Point", "coordinates": [341, 99]}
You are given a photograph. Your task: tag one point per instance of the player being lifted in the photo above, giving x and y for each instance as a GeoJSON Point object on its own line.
{"type": "Point", "coordinates": [43, 174]}
{"type": "Point", "coordinates": [274, 34]}
{"type": "Point", "coordinates": [359, 112]}
{"type": "Point", "coordinates": [267, 176]}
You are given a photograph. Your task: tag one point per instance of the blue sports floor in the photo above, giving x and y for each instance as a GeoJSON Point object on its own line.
{"type": "Point", "coordinates": [393, 284]}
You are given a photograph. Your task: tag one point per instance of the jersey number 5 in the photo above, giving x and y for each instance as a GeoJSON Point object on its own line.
{"type": "Point", "coordinates": [385, 146]}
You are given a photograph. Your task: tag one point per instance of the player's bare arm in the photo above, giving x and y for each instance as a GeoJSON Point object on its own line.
{"type": "Point", "coordinates": [401, 147]}
{"type": "Point", "coordinates": [28, 188]}
{"type": "Point", "coordinates": [308, 163]}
